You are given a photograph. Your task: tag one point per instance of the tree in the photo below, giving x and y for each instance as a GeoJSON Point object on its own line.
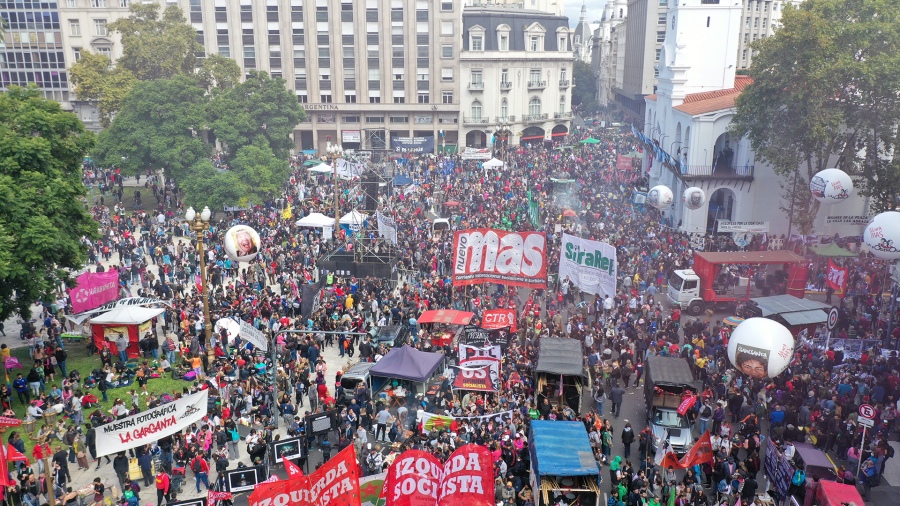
{"type": "Point", "coordinates": [260, 107]}
{"type": "Point", "coordinates": [43, 217]}
{"type": "Point", "coordinates": [204, 185]}
{"type": "Point", "coordinates": [157, 46]}
{"type": "Point", "coordinates": [95, 80]}
{"type": "Point", "coordinates": [158, 126]}
{"type": "Point", "coordinates": [218, 73]}
{"type": "Point", "coordinates": [584, 92]}
{"type": "Point", "coordinates": [826, 94]}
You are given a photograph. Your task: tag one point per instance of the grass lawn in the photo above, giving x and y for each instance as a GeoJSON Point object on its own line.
{"type": "Point", "coordinates": [80, 360]}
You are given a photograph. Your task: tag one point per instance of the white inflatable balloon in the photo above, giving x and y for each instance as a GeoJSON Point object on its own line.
{"type": "Point", "coordinates": [242, 243]}
{"type": "Point", "coordinates": [660, 197]}
{"type": "Point", "coordinates": [882, 236]}
{"type": "Point", "coordinates": [694, 198]}
{"type": "Point", "coordinates": [231, 327]}
{"type": "Point", "coordinates": [760, 348]}
{"type": "Point", "coordinates": [831, 186]}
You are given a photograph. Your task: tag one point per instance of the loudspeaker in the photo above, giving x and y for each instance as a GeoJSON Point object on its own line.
{"type": "Point", "coordinates": [369, 186]}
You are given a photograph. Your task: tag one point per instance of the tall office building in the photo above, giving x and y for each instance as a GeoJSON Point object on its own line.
{"type": "Point", "coordinates": [611, 50]}
{"type": "Point", "coordinates": [760, 20]}
{"type": "Point", "coordinates": [32, 49]}
{"type": "Point", "coordinates": [645, 33]}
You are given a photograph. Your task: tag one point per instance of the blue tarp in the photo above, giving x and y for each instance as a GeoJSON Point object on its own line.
{"type": "Point", "coordinates": [561, 449]}
{"type": "Point", "coordinates": [402, 180]}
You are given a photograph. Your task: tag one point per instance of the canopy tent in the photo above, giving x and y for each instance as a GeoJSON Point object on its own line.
{"type": "Point", "coordinates": [401, 180]}
{"type": "Point", "coordinates": [132, 321]}
{"type": "Point", "coordinates": [312, 163]}
{"type": "Point", "coordinates": [560, 355]}
{"type": "Point", "coordinates": [832, 251]}
{"type": "Point", "coordinates": [793, 310]}
{"type": "Point", "coordinates": [354, 217]}
{"type": "Point", "coordinates": [493, 163]}
{"type": "Point", "coordinates": [569, 213]}
{"type": "Point", "coordinates": [449, 316]}
{"type": "Point", "coordinates": [562, 460]}
{"type": "Point", "coordinates": [322, 168]}
{"type": "Point", "coordinates": [317, 220]}
{"type": "Point", "coordinates": [589, 140]}
{"type": "Point", "coordinates": [832, 493]}
{"type": "Point", "coordinates": [408, 363]}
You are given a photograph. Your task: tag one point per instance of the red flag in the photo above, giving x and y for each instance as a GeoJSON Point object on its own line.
{"type": "Point", "coordinates": [837, 278]}
{"type": "Point", "coordinates": [336, 483]}
{"type": "Point", "coordinates": [292, 469]}
{"type": "Point", "coordinates": [701, 452]}
{"type": "Point", "coordinates": [294, 492]}
{"type": "Point", "coordinates": [14, 455]}
{"type": "Point", "coordinates": [686, 404]}
{"type": "Point", "coordinates": [468, 478]}
{"type": "Point", "coordinates": [5, 480]}
{"type": "Point", "coordinates": [670, 460]}
{"type": "Point", "coordinates": [413, 479]}
{"type": "Point", "coordinates": [213, 496]}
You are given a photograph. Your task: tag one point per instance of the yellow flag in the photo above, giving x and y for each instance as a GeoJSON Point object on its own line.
{"type": "Point", "coordinates": [286, 213]}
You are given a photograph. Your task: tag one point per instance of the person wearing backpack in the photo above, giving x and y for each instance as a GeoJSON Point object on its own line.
{"type": "Point", "coordinates": [201, 471]}
{"type": "Point", "coordinates": [704, 416]}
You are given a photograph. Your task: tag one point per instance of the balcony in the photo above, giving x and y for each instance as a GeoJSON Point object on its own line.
{"type": "Point", "coordinates": [505, 85]}
{"type": "Point", "coordinates": [563, 115]}
{"type": "Point", "coordinates": [537, 85]}
{"type": "Point", "coordinates": [536, 118]}
{"type": "Point", "coordinates": [476, 86]}
{"type": "Point", "coordinates": [476, 120]}
{"type": "Point", "coordinates": [719, 171]}
{"type": "Point", "coordinates": [564, 83]}
{"type": "Point", "coordinates": [505, 120]}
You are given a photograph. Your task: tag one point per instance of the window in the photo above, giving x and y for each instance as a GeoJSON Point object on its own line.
{"type": "Point", "coordinates": [476, 111]}
{"type": "Point", "coordinates": [660, 35]}
{"type": "Point", "coordinates": [424, 98]}
{"type": "Point", "coordinates": [562, 46]}
{"type": "Point", "coordinates": [562, 104]}
{"type": "Point", "coordinates": [98, 3]}
{"type": "Point", "coordinates": [446, 50]}
{"type": "Point", "coordinates": [534, 107]}
{"type": "Point", "coordinates": [477, 78]}
{"type": "Point", "coordinates": [533, 43]}
{"type": "Point", "coordinates": [304, 98]}
{"type": "Point", "coordinates": [658, 53]}
{"type": "Point", "coordinates": [477, 43]}
{"type": "Point", "coordinates": [375, 119]}
{"type": "Point", "coordinates": [225, 51]}
{"type": "Point", "coordinates": [74, 27]}
{"type": "Point", "coordinates": [446, 97]}
{"type": "Point", "coordinates": [447, 28]}
{"type": "Point", "coordinates": [504, 42]}
{"type": "Point", "coordinates": [504, 76]}
{"type": "Point", "coordinates": [124, 3]}
{"type": "Point", "coordinates": [351, 119]}
{"type": "Point", "coordinates": [563, 74]}
{"type": "Point", "coordinates": [662, 19]}
{"type": "Point", "coordinates": [399, 119]}
{"type": "Point", "coordinates": [375, 100]}
{"type": "Point", "coordinates": [504, 109]}
{"type": "Point", "coordinates": [534, 75]}
{"type": "Point", "coordinates": [447, 74]}
{"type": "Point", "coordinates": [747, 22]}
{"type": "Point", "coordinates": [100, 27]}
{"type": "Point", "coordinates": [325, 99]}
{"type": "Point", "coordinates": [350, 98]}
{"type": "Point", "coordinates": [399, 99]}
{"type": "Point", "coordinates": [72, 3]}
{"type": "Point", "coordinates": [322, 13]}
{"type": "Point", "coordinates": [77, 52]}
{"type": "Point", "coordinates": [446, 6]}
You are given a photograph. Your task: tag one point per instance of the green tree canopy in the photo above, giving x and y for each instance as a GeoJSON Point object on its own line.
{"type": "Point", "coordinates": [96, 80]}
{"type": "Point", "coordinates": [158, 126]}
{"type": "Point", "coordinates": [826, 93]}
{"type": "Point", "coordinates": [205, 185]}
{"type": "Point", "coordinates": [157, 45]}
{"type": "Point", "coordinates": [218, 73]}
{"type": "Point", "coordinates": [259, 108]}
{"type": "Point", "coordinates": [584, 92]}
{"type": "Point", "coordinates": [42, 211]}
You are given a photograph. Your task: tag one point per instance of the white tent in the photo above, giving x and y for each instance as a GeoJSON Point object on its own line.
{"type": "Point", "coordinates": [317, 220]}
{"type": "Point", "coordinates": [354, 217]}
{"type": "Point", "coordinates": [127, 315]}
{"type": "Point", "coordinates": [323, 168]}
{"type": "Point", "coordinates": [493, 163]}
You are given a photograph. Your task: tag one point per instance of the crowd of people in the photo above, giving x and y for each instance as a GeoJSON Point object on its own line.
{"type": "Point", "coordinates": [815, 399]}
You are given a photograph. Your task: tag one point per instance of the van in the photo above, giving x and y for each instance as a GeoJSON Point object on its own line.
{"type": "Point", "coordinates": [391, 335]}
{"type": "Point", "coordinates": [350, 380]}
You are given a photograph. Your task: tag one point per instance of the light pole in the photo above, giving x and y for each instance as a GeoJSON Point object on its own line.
{"type": "Point", "coordinates": [334, 153]}
{"type": "Point", "coordinates": [199, 224]}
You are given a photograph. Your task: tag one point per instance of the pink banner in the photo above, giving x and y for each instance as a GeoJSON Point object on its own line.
{"type": "Point", "coordinates": [92, 290]}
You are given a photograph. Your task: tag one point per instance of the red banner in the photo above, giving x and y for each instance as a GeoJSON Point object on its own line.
{"type": "Point", "coordinates": [474, 378]}
{"type": "Point", "coordinates": [624, 163]}
{"type": "Point", "coordinates": [336, 483]}
{"type": "Point", "coordinates": [468, 478]}
{"type": "Point", "coordinates": [837, 278]}
{"type": "Point", "coordinates": [414, 479]}
{"type": "Point", "coordinates": [701, 452]}
{"type": "Point", "coordinates": [93, 289]}
{"type": "Point", "coordinates": [294, 492]}
{"type": "Point", "coordinates": [8, 421]}
{"type": "Point", "coordinates": [484, 255]}
{"type": "Point", "coordinates": [686, 404]}
{"type": "Point", "coordinates": [293, 470]}
{"type": "Point", "coordinates": [494, 319]}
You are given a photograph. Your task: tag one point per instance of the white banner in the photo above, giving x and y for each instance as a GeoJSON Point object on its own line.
{"type": "Point", "coordinates": [848, 220]}
{"type": "Point", "coordinates": [589, 265]}
{"type": "Point", "coordinates": [751, 227]}
{"type": "Point", "coordinates": [256, 337]}
{"type": "Point", "coordinates": [150, 425]}
{"type": "Point", "coordinates": [476, 154]}
{"type": "Point", "coordinates": [467, 352]}
{"type": "Point", "coordinates": [387, 227]}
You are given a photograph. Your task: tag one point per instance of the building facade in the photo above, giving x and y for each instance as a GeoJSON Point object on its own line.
{"type": "Point", "coordinates": [645, 32]}
{"type": "Point", "coordinates": [516, 72]}
{"type": "Point", "coordinates": [32, 49]}
{"type": "Point", "coordinates": [583, 37]}
{"type": "Point", "coordinates": [611, 35]}
{"type": "Point", "coordinates": [760, 19]}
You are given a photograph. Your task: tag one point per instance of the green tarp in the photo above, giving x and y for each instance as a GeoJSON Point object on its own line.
{"type": "Point", "coordinates": [832, 251]}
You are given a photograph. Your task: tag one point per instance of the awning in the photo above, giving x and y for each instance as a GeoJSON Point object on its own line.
{"type": "Point", "coordinates": [533, 138]}
{"type": "Point", "coordinates": [449, 316]}
{"type": "Point", "coordinates": [811, 317]}
{"type": "Point", "coordinates": [559, 134]}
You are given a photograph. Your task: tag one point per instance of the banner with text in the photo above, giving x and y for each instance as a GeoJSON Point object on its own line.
{"type": "Point", "coordinates": [494, 319]}
{"type": "Point", "coordinates": [478, 378]}
{"type": "Point", "coordinates": [749, 227]}
{"type": "Point", "coordinates": [254, 336]}
{"type": "Point", "coordinates": [418, 479]}
{"type": "Point", "coordinates": [837, 278]}
{"type": "Point", "coordinates": [485, 255]}
{"type": "Point", "coordinates": [589, 265]}
{"type": "Point", "coordinates": [476, 154]}
{"type": "Point", "coordinates": [430, 421]}
{"type": "Point", "coordinates": [93, 289]}
{"type": "Point", "coordinates": [413, 144]}
{"type": "Point", "coordinates": [150, 425]}
{"type": "Point", "coordinates": [387, 227]}
{"type": "Point", "coordinates": [335, 483]}
{"type": "Point", "coordinates": [477, 336]}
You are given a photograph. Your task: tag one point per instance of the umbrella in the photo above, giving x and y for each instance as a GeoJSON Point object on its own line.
{"type": "Point", "coordinates": [570, 213]}
{"type": "Point", "coordinates": [13, 363]}
{"type": "Point", "coordinates": [451, 203]}
{"type": "Point", "coordinates": [732, 321]}
{"type": "Point", "coordinates": [589, 140]}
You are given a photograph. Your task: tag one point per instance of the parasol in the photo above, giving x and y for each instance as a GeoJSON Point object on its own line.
{"type": "Point", "coordinates": [569, 213]}
{"type": "Point", "coordinates": [732, 321]}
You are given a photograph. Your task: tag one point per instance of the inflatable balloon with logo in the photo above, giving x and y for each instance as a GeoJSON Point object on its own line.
{"type": "Point", "coordinates": [882, 236]}
{"type": "Point", "coordinates": [693, 198]}
{"type": "Point", "coordinates": [761, 348]}
{"type": "Point", "coordinates": [831, 186]}
{"type": "Point", "coordinates": [660, 197]}
{"type": "Point", "coordinates": [242, 243]}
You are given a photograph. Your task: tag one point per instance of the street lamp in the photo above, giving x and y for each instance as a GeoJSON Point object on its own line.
{"type": "Point", "coordinates": [199, 224]}
{"type": "Point", "coordinates": [334, 153]}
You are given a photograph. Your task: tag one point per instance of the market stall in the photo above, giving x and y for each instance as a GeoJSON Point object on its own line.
{"type": "Point", "coordinates": [560, 360]}
{"type": "Point", "coordinates": [404, 364]}
{"type": "Point", "coordinates": [132, 321]}
{"type": "Point", "coordinates": [443, 324]}
{"type": "Point", "coordinates": [562, 464]}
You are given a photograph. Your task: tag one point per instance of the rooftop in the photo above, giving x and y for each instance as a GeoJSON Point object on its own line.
{"type": "Point", "coordinates": [711, 101]}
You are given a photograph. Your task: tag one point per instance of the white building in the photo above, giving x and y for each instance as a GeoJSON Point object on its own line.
{"type": "Point", "coordinates": [611, 45]}
{"type": "Point", "coordinates": [686, 129]}
{"type": "Point", "coordinates": [583, 37]}
{"type": "Point", "coordinates": [516, 75]}
{"type": "Point", "coordinates": [760, 19]}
